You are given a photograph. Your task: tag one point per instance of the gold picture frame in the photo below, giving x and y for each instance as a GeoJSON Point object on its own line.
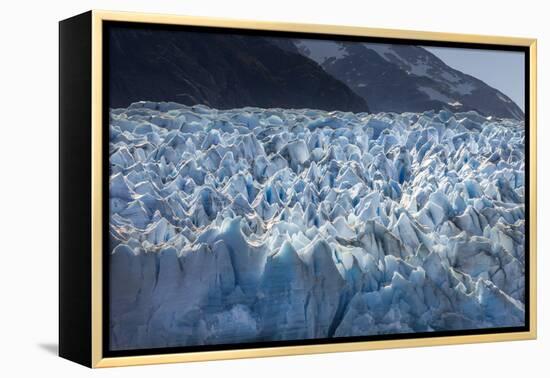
{"type": "Point", "coordinates": [96, 18]}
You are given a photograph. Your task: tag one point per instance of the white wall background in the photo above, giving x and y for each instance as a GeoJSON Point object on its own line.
{"type": "Point", "coordinates": [28, 186]}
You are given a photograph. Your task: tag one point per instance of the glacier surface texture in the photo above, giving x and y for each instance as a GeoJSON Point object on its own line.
{"type": "Point", "coordinates": [247, 225]}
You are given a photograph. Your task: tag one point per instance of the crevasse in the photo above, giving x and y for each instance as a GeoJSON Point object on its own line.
{"type": "Point", "coordinates": [244, 225]}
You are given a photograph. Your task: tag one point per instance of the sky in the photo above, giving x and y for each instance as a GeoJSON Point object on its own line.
{"type": "Point", "coordinates": [503, 70]}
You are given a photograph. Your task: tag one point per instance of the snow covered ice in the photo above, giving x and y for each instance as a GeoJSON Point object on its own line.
{"type": "Point", "coordinates": [246, 225]}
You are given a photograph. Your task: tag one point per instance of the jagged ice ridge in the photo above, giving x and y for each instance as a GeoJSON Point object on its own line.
{"type": "Point", "coordinates": [253, 224]}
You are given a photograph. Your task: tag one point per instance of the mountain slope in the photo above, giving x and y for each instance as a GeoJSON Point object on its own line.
{"type": "Point", "coordinates": [406, 78]}
{"type": "Point", "coordinates": [218, 70]}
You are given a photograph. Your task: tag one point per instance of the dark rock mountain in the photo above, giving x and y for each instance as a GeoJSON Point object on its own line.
{"type": "Point", "coordinates": [219, 70]}
{"type": "Point", "coordinates": [403, 78]}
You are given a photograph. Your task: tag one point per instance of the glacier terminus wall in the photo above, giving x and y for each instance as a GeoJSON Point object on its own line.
{"type": "Point", "coordinates": [250, 224]}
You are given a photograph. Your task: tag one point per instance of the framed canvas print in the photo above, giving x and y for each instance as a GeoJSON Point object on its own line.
{"type": "Point", "coordinates": [234, 189]}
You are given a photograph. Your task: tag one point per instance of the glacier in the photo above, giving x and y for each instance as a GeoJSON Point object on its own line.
{"type": "Point", "coordinates": [250, 224]}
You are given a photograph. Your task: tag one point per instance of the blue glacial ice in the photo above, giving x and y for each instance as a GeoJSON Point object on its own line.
{"type": "Point", "coordinates": [246, 225]}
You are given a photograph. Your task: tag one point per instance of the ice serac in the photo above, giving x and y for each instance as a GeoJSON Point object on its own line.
{"type": "Point", "coordinates": [253, 224]}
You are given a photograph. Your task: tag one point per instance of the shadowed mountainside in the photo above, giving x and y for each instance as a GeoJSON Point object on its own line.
{"type": "Point", "coordinates": [219, 70]}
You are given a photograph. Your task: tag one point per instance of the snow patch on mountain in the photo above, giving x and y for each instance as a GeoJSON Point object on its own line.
{"type": "Point", "coordinates": [384, 50]}
{"type": "Point", "coordinates": [321, 50]}
{"type": "Point", "coordinates": [434, 94]}
{"type": "Point", "coordinates": [247, 225]}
